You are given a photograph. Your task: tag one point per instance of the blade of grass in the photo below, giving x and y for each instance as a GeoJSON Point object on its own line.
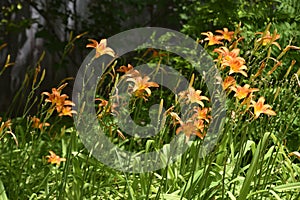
{"type": "Point", "coordinates": [287, 187]}
{"type": "Point", "coordinates": [253, 166]}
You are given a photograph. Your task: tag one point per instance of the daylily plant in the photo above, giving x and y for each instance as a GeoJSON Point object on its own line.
{"type": "Point", "coordinates": [59, 102]}
{"type": "Point", "coordinates": [268, 39]}
{"type": "Point", "coordinates": [261, 108]}
{"type": "Point", "coordinates": [193, 96]}
{"type": "Point", "coordinates": [36, 123]}
{"type": "Point", "coordinates": [101, 48]}
{"type": "Point", "coordinates": [227, 35]}
{"type": "Point", "coordinates": [228, 82]}
{"type": "Point", "coordinates": [55, 159]}
{"type": "Point", "coordinates": [243, 92]}
{"type": "Point", "coordinates": [212, 39]}
{"type": "Point", "coordinates": [142, 85]}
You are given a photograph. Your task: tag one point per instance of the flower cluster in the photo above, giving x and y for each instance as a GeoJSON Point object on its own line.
{"type": "Point", "coordinates": [199, 118]}
{"type": "Point", "coordinates": [217, 39]}
{"type": "Point", "coordinates": [229, 56]}
{"type": "Point", "coordinates": [59, 102]}
{"type": "Point", "coordinates": [231, 59]}
{"type": "Point", "coordinates": [141, 87]}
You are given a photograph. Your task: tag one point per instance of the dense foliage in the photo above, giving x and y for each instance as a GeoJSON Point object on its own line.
{"type": "Point", "coordinates": [254, 45]}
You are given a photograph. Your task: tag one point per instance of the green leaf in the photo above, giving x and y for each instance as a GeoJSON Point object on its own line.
{"type": "Point", "coordinates": [171, 197]}
{"type": "Point", "coordinates": [2, 192]}
{"type": "Point", "coordinates": [288, 186]}
{"type": "Point", "coordinates": [253, 167]}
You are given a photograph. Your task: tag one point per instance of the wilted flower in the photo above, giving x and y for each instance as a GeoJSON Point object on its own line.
{"type": "Point", "coordinates": [295, 153]}
{"type": "Point", "coordinates": [129, 71]}
{"type": "Point", "coordinates": [155, 53]}
{"type": "Point", "coordinates": [5, 128]}
{"type": "Point", "coordinates": [106, 106]}
{"type": "Point", "coordinates": [125, 69]}
{"type": "Point", "coordinates": [176, 119]}
{"type": "Point", "coordinates": [103, 103]}
{"type": "Point", "coordinates": [5, 125]}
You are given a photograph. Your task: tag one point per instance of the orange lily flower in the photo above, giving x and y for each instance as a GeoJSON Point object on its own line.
{"type": "Point", "coordinates": [155, 53]}
{"type": "Point", "coordinates": [261, 108]}
{"type": "Point", "coordinates": [129, 71]}
{"type": "Point", "coordinates": [191, 128]}
{"type": "Point", "coordinates": [227, 35]}
{"type": "Point", "coordinates": [212, 39]}
{"type": "Point", "coordinates": [5, 127]}
{"type": "Point", "coordinates": [225, 54]}
{"type": "Point", "coordinates": [243, 92]}
{"type": "Point", "coordinates": [268, 39]}
{"type": "Point", "coordinates": [36, 123]}
{"type": "Point", "coordinates": [193, 96]}
{"type": "Point", "coordinates": [67, 111]}
{"type": "Point", "coordinates": [58, 100]}
{"type": "Point", "coordinates": [236, 65]}
{"type": "Point", "coordinates": [202, 114]}
{"type": "Point", "coordinates": [142, 85]}
{"type": "Point", "coordinates": [108, 108]}
{"type": "Point", "coordinates": [200, 126]}
{"type": "Point", "coordinates": [125, 69]}
{"type": "Point", "coordinates": [228, 81]}
{"type": "Point", "coordinates": [231, 59]}
{"type": "Point", "coordinates": [101, 48]}
{"type": "Point", "coordinates": [55, 159]}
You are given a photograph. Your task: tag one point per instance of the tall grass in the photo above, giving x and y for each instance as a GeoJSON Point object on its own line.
{"type": "Point", "coordinates": [252, 160]}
